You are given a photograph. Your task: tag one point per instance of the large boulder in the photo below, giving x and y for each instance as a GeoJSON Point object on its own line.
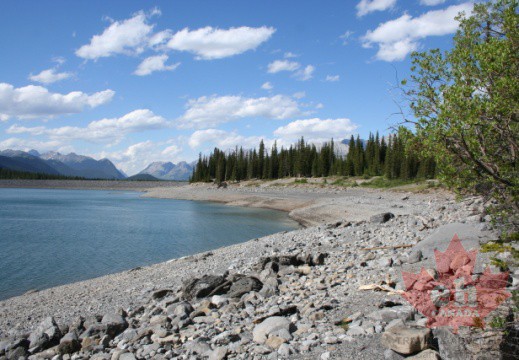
{"type": "Point", "coordinates": [205, 286]}
{"type": "Point", "coordinates": [406, 340]}
{"type": "Point", "coordinates": [115, 324]}
{"type": "Point", "coordinates": [46, 335]}
{"type": "Point", "coordinates": [243, 286]}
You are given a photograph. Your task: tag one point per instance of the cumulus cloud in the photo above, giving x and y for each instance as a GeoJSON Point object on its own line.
{"type": "Point", "coordinates": [36, 101]}
{"type": "Point", "coordinates": [305, 74]}
{"type": "Point", "coordinates": [209, 138]}
{"type": "Point", "coordinates": [397, 38]}
{"type": "Point", "coordinates": [212, 43]}
{"type": "Point", "coordinates": [317, 130]}
{"type": "Point", "coordinates": [282, 65]}
{"type": "Point", "coordinates": [129, 36]}
{"type": "Point", "coordinates": [332, 78]}
{"type": "Point", "coordinates": [365, 7]}
{"type": "Point", "coordinates": [50, 76]}
{"type": "Point", "coordinates": [289, 55]}
{"type": "Point", "coordinates": [267, 86]}
{"type": "Point", "coordinates": [154, 63]}
{"type": "Point", "coordinates": [105, 130]}
{"type": "Point", "coordinates": [210, 111]}
{"type": "Point", "coordinates": [136, 157]}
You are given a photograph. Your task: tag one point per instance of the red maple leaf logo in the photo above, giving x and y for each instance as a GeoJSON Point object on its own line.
{"type": "Point", "coordinates": [452, 295]}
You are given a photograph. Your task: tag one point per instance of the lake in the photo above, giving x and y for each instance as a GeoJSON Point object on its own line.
{"type": "Point", "coordinates": [51, 237]}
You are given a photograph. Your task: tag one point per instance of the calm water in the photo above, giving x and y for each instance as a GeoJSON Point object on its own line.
{"type": "Point", "coordinates": [54, 237]}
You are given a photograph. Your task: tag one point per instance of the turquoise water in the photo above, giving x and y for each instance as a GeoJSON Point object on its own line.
{"type": "Point", "coordinates": [53, 237]}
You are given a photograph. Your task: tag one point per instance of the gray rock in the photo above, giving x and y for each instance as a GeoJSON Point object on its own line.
{"type": "Point", "coordinates": [115, 324]}
{"type": "Point", "coordinates": [127, 356]}
{"type": "Point", "coordinates": [243, 286]}
{"type": "Point", "coordinates": [391, 355]}
{"type": "Point", "coordinates": [451, 346]}
{"type": "Point", "coordinates": [381, 218]}
{"type": "Point", "coordinates": [269, 326]}
{"type": "Point", "coordinates": [46, 335]}
{"type": "Point", "coordinates": [202, 287]}
{"type": "Point", "coordinates": [426, 355]}
{"type": "Point", "coordinates": [219, 353]}
{"type": "Point", "coordinates": [387, 315]}
{"type": "Point", "coordinates": [414, 257]}
{"type": "Point", "coordinates": [406, 340]}
{"type": "Point", "coordinates": [69, 344]}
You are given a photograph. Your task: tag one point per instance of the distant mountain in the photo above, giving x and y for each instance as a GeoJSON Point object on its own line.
{"type": "Point", "coordinates": [25, 162]}
{"type": "Point", "coordinates": [59, 164]}
{"type": "Point", "coordinates": [142, 177]}
{"type": "Point", "coordinates": [83, 166]}
{"type": "Point", "coordinates": [169, 171]}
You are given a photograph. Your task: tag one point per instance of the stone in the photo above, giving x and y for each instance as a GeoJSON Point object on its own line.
{"type": "Point", "coordinates": [243, 286]}
{"type": "Point", "coordinates": [284, 350]}
{"type": "Point", "coordinates": [219, 353]}
{"type": "Point", "coordinates": [219, 301]}
{"type": "Point", "coordinates": [69, 344]}
{"type": "Point", "coordinates": [127, 356]}
{"type": "Point", "coordinates": [391, 355]}
{"type": "Point", "coordinates": [414, 257]}
{"type": "Point", "coordinates": [451, 346]}
{"type": "Point", "coordinates": [268, 326]}
{"type": "Point", "coordinates": [426, 355]}
{"type": "Point", "coordinates": [397, 312]}
{"type": "Point", "coordinates": [325, 355]}
{"type": "Point", "coordinates": [46, 335]}
{"type": "Point", "coordinates": [115, 324]}
{"type": "Point", "coordinates": [406, 340]}
{"type": "Point", "coordinates": [198, 347]}
{"type": "Point", "coordinates": [201, 287]}
{"type": "Point", "coordinates": [159, 294]}
{"type": "Point", "coordinates": [381, 218]}
{"type": "Point", "coordinates": [274, 342]}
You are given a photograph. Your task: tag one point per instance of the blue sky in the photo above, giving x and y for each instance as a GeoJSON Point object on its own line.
{"type": "Point", "coordinates": [143, 81]}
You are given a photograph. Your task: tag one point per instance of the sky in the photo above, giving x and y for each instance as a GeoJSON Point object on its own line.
{"type": "Point", "coordinates": [144, 81]}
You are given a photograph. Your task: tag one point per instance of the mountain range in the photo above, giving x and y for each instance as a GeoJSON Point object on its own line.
{"type": "Point", "coordinates": [74, 165]}
{"type": "Point", "coordinates": [55, 163]}
{"type": "Point", "coordinates": [169, 171]}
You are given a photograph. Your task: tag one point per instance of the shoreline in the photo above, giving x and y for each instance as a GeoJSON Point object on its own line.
{"type": "Point", "coordinates": [340, 225]}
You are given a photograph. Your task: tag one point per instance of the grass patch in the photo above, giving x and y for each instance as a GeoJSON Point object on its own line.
{"type": "Point", "coordinates": [301, 181]}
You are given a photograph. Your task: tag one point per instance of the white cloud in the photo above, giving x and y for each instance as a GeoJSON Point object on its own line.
{"type": "Point", "coordinates": [154, 63]}
{"type": "Point", "coordinates": [282, 65]}
{"type": "Point", "coordinates": [137, 156]}
{"type": "Point", "coordinates": [397, 38]}
{"type": "Point", "coordinates": [49, 76]}
{"type": "Point", "coordinates": [36, 101]}
{"type": "Point", "coordinates": [317, 130]}
{"type": "Point", "coordinates": [129, 36]}
{"type": "Point", "coordinates": [267, 86]}
{"type": "Point", "coordinates": [29, 144]}
{"type": "Point", "coordinates": [210, 111]}
{"type": "Point", "coordinates": [346, 37]}
{"type": "Point", "coordinates": [365, 7]}
{"type": "Point", "coordinates": [106, 130]}
{"type": "Point", "coordinates": [209, 138]}
{"type": "Point", "coordinates": [289, 55]}
{"type": "Point", "coordinates": [305, 74]}
{"type": "Point", "coordinates": [299, 95]}
{"type": "Point", "coordinates": [160, 38]}
{"type": "Point", "coordinates": [212, 43]}
{"type": "Point", "coordinates": [332, 78]}
{"type": "Point", "coordinates": [431, 2]}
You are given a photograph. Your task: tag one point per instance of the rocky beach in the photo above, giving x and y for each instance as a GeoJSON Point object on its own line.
{"type": "Point", "coordinates": [331, 290]}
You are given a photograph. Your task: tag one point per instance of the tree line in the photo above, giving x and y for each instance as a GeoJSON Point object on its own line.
{"type": "Point", "coordinates": [392, 156]}
{"type": "Point", "coordinates": [14, 174]}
